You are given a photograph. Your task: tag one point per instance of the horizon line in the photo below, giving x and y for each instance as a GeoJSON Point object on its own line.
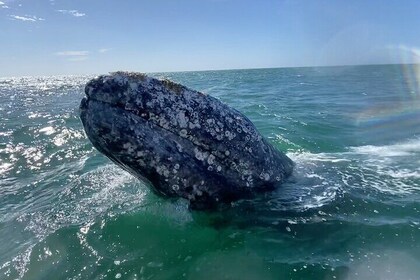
{"type": "Point", "coordinates": [212, 70]}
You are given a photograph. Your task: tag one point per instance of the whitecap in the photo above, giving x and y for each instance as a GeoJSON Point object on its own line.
{"type": "Point", "coordinates": [47, 130]}
{"type": "Point", "coordinates": [405, 148]}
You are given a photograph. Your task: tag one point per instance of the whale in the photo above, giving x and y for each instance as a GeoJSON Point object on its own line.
{"type": "Point", "coordinates": [181, 142]}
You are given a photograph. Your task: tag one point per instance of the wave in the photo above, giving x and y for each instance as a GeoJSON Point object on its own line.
{"type": "Point", "coordinates": [406, 148]}
{"type": "Point", "coordinates": [97, 194]}
{"type": "Point", "coordinates": [388, 169]}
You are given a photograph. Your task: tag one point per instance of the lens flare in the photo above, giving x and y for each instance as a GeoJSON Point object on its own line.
{"type": "Point", "coordinates": [399, 106]}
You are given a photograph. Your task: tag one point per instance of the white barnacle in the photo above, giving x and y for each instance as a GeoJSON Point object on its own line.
{"type": "Point", "coordinates": [194, 124]}
{"type": "Point", "coordinates": [166, 172]}
{"type": "Point", "coordinates": [265, 176]}
{"type": "Point", "coordinates": [129, 147]}
{"type": "Point", "coordinates": [133, 86]}
{"type": "Point", "coordinates": [183, 133]}
{"type": "Point", "coordinates": [210, 159]}
{"type": "Point", "coordinates": [120, 80]}
{"type": "Point", "coordinates": [175, 187]}
{"type": "Point", "coordinates": [176, 166]}
{"type": "Point", "coordinates": [162, 170]}
{"type": "Point", "coordinates": [219, 168]}
{"type": "Point", "coordinates": [230, 135]}
{"type": "Point", "coordinates": [163, 123]}
{"type": "Point", "coordinates": [227, 153]}
{"type": "Point", "coordinates": [182, 119]}
{"type": "Point", "coordinates": [248, 149]}
{"type": "Point", "coordinates": [200, 155]}
{"type": "Point", "coordinates": [179, 147]}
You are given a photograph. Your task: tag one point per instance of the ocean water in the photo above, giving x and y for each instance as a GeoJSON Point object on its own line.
{"type": "Point", "coordinates": [351, 209]}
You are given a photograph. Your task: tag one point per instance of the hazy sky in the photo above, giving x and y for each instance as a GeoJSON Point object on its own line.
{"type": "Point", "coordinates": [46, 37]}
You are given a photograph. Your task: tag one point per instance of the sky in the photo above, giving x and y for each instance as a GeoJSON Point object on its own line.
{"type": "Point", "coordinates": [59, 37]}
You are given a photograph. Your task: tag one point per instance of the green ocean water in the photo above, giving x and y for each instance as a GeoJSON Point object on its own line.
{"type": "Point", "coordinates": [351, 209]}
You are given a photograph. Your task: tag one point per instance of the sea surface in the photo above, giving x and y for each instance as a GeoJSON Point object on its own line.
{"type": "Point", "coordinates": [351, 209]}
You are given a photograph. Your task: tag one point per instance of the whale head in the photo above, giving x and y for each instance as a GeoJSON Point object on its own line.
{"type": "Point", "coordinates": [183, 143]}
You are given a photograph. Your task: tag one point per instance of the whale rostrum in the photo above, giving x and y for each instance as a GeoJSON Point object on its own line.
{"type": "Point", "coordinates": [182, 142]}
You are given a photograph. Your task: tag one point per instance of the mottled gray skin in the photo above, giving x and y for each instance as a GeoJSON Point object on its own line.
{"type": "Point", "coordinates": [183, 142]}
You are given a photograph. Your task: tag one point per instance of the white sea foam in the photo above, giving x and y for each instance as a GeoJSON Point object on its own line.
{"type": "Point", "coordinates": [5, 167]}
{"type": "Point", "coordinates": [47, 130]}
{"type": "Point", "coordinates": [309, 157]}
{"type": "Point", "coordinates": [317, 182]}
{"type": "Point", "coordinates": [404, 173]}
{"type": "Point", "coordinates": [393, 169]}
{"type": "Point", "coordinates": [409, 147]}
{"type": "Point", "coordinates": [104, 191]}
{"type": "Point", "coordinates": [86, 197]}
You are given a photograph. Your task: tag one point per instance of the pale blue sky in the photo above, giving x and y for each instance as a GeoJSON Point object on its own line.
{"type": "Point", "coordinates": [47, 37]}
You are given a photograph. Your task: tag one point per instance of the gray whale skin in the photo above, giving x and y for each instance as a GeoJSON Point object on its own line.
{"type": "Point", "coordinates": [182, 142]}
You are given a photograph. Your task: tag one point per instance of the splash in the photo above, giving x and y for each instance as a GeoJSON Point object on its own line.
{"type": "Point", "coordinates": [387, 169]}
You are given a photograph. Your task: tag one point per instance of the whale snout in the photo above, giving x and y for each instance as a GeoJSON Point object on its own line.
{"type": "Point", "coordinates": [111, 90]}
{"type": "Point", "coordinates": [83, 104]}
{"type": "Point", "coordinates": [132, 92]}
